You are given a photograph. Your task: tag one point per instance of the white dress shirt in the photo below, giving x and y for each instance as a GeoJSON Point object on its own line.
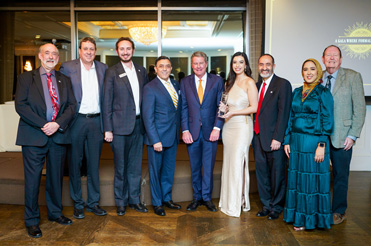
{"type": "Point", "coordinates": [134, 83]}
{"type": "Point", "coordinates": [90, 90]}
{"type": "Point", "coordinates": [267, 82]}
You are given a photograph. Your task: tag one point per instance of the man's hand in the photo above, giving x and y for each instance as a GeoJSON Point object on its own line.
{"type": "Point", "coordinates": [108, 136]}
{"type": "Point", "coordinates": [214, 136]}
{"type": "Point", "coordinates": [275, 145]}
{"type": "Point", "coordinates": [287, 150]}
{"type": "Point", "coordinates": [50, 128]}
{"type": "Point", "coordinates": [187, 137]}
{"type": "Point", "coordinates": [348, 144]}
{"type": "Point", "coordinates": [158, 147]}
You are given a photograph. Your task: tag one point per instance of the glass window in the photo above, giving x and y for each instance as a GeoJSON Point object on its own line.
{"type": "Point", "coordinates": [116, 3]}
{"type": "Point", "coordinates": [217, 33]}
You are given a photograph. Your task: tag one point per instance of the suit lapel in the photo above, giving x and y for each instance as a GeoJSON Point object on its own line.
{"type": "Point", "coordinates": [269, 92]}
{"type": "Point", "coordinates": [39, 85]}
{"type": "Point", "coordinates": [60, 89]}
{"type": "Point", "coordinates": [209, 84]}
{"type": "Point", "coordinates": [141, 83]}
{"type": "Point", "coordinates": [164, 91]}
{"type": "Point", "coordinates": [193, 88]}
{"type": "Point", "coordinates": [339, 81]}
{"type": "Point", "coordinates": [79, 83]}
{"type": "Point", "coordinates": [124, 79]}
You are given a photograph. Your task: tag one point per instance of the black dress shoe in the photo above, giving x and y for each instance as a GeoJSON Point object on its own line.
{"type": "Point", "coordinates": [139, 207]}
{"type": "Point", "coordinates": [62, 220]}
{"type": "Point", "coordinates": [159, 210]}
{"type": "Point", "coordinates": [210, 206]}
{"type": "Point", "coordinates": [78, 213]}
{"type": "Point", "coordinates": [273, 215]}
{"type": "Point", "coordinates": [34, 231]}
{"type": "Point", "coordinates": [97, 210]}
{"type": "Point", "coordinates": [193, 205]}
{"type": "Point", "coordinates": [262, 213]}
{"type": "Point", "coordinates": [172, 205]}
{"type": "Point", "coordinates": [120, 210]}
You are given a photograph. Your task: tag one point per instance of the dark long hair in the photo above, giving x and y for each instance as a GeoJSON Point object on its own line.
{"type": "Point", "coordinates": [232, 75]}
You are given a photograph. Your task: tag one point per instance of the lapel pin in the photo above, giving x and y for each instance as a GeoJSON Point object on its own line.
{"type": "Point", "coordinates": [59, 81]}
{"type": "Point", "coordinates": [122, 75]}
{"type": "Point", "coordinates": [271, 92]}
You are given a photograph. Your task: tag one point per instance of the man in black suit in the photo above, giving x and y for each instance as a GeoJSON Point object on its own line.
{"type": "Point", "coordinates": [123, 125]}
{"type": "Point", "coordinates": [46, 105]}
{"type": "Point", "coordinates": [275, 96]}
{"type": "Point", "coordinates": [87, 76]}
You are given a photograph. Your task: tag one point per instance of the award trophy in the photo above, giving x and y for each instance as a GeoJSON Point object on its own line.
{"type": "Point", "coordinates": [223, 108]}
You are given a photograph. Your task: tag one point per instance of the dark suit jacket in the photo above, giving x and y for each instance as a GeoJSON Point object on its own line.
{"type": "Point", "coordinates": [193, 114]}
{"type": "Point", "coordinates": [30, 105]}
{"type": "Point", "coordinates": [161, 118]}
{"type": "Point", "coordinates": [119, 111]}
{"type": "Point", "coordinates": [72, 69]}
{"type": "Point", "coordinates": [274, 111]}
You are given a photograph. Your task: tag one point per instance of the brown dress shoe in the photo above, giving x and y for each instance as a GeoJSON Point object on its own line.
{"type": "Point", "coordinates": [338, 218]}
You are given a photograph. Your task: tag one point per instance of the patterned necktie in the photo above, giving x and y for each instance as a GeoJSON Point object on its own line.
{"type": "Point", "coordinates": [53, 96]}
{"type": "Point", "coordinates": [328, 84]}
{"type": "Point", "coordinates": [200, 91]}
{"type": "Point", "coordinates": [256, 126]}
{"type": "Point", "coordinates": [172, 93]}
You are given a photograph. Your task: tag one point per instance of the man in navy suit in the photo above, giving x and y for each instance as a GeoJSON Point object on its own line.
{"type": "Point", "coordinates": [161, 117]}
{"type": "Point", "coordinates": [87, 78]}
{"type": "Point", "coordinates": [201, 94]}
{"type": "Point", "coordinates": [275, 97]}
{"type": "Point", "coordinates": [123, 125]}
{"type": "Point", "coordinates": [45, 103]}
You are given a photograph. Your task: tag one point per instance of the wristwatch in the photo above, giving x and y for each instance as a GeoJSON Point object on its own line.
{"type": "Point", "coordinates": [322, 144]}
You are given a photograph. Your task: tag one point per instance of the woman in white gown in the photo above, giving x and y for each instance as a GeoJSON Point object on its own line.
{"type": "Point", "coordinates": [237, 135]}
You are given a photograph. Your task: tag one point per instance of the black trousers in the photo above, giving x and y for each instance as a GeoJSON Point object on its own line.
{"type": "Point", "coordinates": [127, 156]}
{"type": "Point", "coordinates": [340, 160]}
{"type": "Point", "coordinates": [271, 176]}
{"type": "Point", "coordinates": [85, 132]}
{"type": "Point", "coordinates": [33, 162]}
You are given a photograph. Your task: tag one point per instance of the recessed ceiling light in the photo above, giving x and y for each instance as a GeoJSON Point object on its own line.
{"type": "Point", "coordinates": [191, 47]}
{"type": "Point", "coordinates": [180, 51]}
{"type": "Point", "coordinates": [151, 51]}
{"type": "Point", "coordinates": [37, 36]}
{"type": "Point", "coordinates": [111, 49]}
{"type": "Point", "coordinates": [219, 49]}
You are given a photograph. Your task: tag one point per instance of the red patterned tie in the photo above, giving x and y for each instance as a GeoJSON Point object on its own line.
{"type": "Point", "coordinates": [53, 96]}
{"type": "Point", "coordinates": [256, 126]}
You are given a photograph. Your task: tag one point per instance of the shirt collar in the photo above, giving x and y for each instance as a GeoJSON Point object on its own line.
{"type": "Point", "coordinates": [268, 81]}
{"type": "Point", "coordinates": [126, 67]}
{"type": "Point", "coordinates": [203, 77]}
{"type": "Point", "coordinates": [43, 71]}
{"type": "Point", "coordinates": [82, 65]}
{"type": "Point", "coordinates": [164, 81]}
{"type": "Point", "coordinates": [334, 75]}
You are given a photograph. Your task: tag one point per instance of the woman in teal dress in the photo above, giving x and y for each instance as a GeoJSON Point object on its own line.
{"type": "Point", "coordinates": [308, 198]}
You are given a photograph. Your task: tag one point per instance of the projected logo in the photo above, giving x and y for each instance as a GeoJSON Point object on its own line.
{"type": "Point", "coordinates": [356, 41]}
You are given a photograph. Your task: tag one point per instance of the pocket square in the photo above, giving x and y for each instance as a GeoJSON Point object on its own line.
{"type": "Point", "coordinates": [122, 75]}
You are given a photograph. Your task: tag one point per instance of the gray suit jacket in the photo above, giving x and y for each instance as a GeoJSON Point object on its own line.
{"type": "Point", "coordinates": [349, 106]}
{"type": "Point", "coordinates": [72, 69]}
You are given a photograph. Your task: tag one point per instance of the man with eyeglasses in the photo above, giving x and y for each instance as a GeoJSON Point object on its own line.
{"type": "Point", "coordinates": [347, 90]}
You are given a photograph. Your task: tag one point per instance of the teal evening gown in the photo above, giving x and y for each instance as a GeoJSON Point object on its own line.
{"type": "Point", "coordinates": [308, 197]}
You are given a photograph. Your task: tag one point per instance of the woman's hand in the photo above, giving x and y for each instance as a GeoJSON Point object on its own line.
{"type": "Point", "coordinates": [287, 150]}
{"type": "Point", "coordinates": [227, 115]}
{"type": "Point", "coordinates": [223, 107]}
{"type": "Point", "coordinates": [320, 154]}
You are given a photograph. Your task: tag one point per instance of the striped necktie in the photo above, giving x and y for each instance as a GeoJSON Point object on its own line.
{"type": "Point", "coordinates": [172, 93]}
{"type": "Point", "coordinates": [328, 84]}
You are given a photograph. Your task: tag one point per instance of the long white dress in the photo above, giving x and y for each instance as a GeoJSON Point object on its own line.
{"type": "Point", "coordinates": [237, 134]}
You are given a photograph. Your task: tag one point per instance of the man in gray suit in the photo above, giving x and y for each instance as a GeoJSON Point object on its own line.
{"type": "Point", "coordinates": [87, 78]}
{"type": "Point", "coordinates": [123, 125]}
{"type": "Point", "coordinates": [349, 112]}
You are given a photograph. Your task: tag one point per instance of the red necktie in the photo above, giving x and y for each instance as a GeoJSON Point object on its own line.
{"type": "Point", "coordinates": [256, 126]}
{"type": "Point", "coordinates": [53, 96]}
